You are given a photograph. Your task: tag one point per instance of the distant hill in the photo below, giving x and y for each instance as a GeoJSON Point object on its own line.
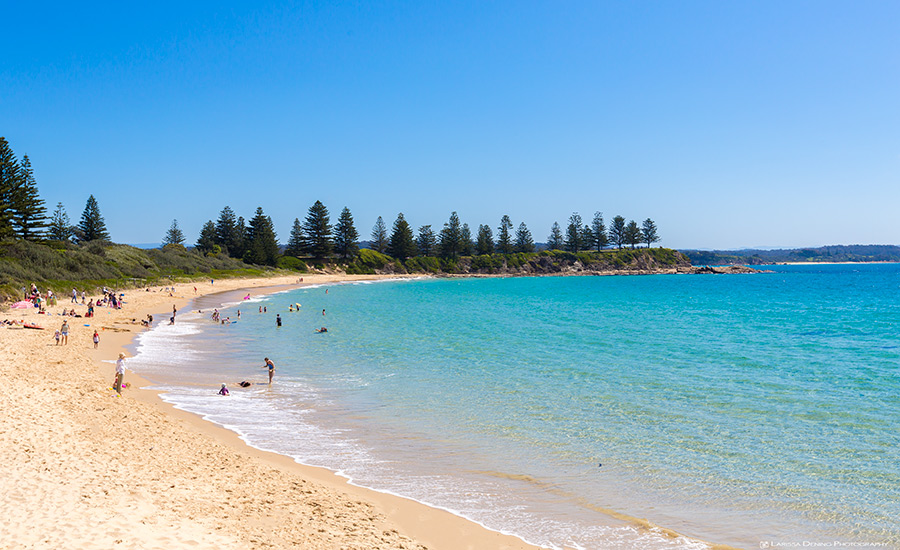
{"type": "Point", "coordinates": [834, 253]}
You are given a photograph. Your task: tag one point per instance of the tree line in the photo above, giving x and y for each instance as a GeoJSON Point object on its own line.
{"type": "Point", "coordinates": [316, 237]}
{"type": "Point", "coordinates": [24, 216]}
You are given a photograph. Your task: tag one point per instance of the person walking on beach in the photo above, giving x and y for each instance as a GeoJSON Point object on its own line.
{"type": "Point", "coordinates": [74, 296]}
{"type": "Point", "coordinates": [64, 331]}
{"type": "Point", "coordinates": [96, 339]}
{"type": "Point", "coordinates": [120, 372]}
{"type": "Point", "coordinates": [271, 366]}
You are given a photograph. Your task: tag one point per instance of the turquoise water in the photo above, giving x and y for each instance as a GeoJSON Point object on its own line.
{"type": "Point", "coordinates": [740, 410]}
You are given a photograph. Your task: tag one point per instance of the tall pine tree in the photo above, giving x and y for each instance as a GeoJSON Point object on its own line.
{"type": "Point", "coordinates": [206, 242]}
{"type": "Point", "coordinates": [228, 234]}
{"type": "Point", "coordinates": [60, 224]}
{"type": "Point", "coordinates": [262, 244]}
{"type": "Point", "coordinates": [573, 233]}
{"type": "Point", "coordinates": [426, 241]}
{"type": "Point", "coordinates": [92, 227]}
{"type": "Point", "coordinates": [401, 244]}
{"type": "Point", "coordinates": [10, 175]}
{"type": "Point", "coordinates": [555, 240]}
{"type": "Point", "coordinates": [524, 241]}
{"type": "Point", "coordinates": [504, 236]}
{"type": "Point", "coordinates": [484, 242]}
{"type": "Point", "coordinates": [632, 234]}
{"type": "Point", "coordinates": [617, 231]}
{"type": "Point", "coordinates": [648, 232]}
{"type": "Point", "coordinates": [296, 241]}
{"type": "Point", "coordinates": [29, 216]}
{"type": "Point", "coordinates": [598, 232]}
{"type": "Point", "coordinates": [317, 228]}
{"type": "Point", "coordinates": [379, 236]}
{"type": "Point", "coordinates": [174, 235]}
{"type": "Point", "coordinates": [346, 237]}
{"type": "Point", "coordinates": [466, 245]}
{"type": "Point", "coordinates": [450, 237]}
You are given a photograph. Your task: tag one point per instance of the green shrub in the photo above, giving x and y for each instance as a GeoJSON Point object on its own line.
{"type": "Point", "coordinates": [372, 258]}
{"type": "Point", "coordinates": [449, 265]}
{"type": "Point", "coordinates": [293, 263]}
{"type": "Point", "coordinates": [423, 264]}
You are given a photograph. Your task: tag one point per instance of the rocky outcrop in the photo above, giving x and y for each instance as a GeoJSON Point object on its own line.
{"type": "Point", "coordinates": [719, 270]}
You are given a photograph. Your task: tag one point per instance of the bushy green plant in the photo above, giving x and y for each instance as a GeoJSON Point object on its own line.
{"type": "Point", "coordinates": [423, 264]}
{"type": "Point", "coordinates": [293, 263]}
{"type": "Point", "coordinates": [372, 259]}
{"type": "Point", "coordinates": [489, 263]}
{"type": "Point", "coordinates": [449, 265]}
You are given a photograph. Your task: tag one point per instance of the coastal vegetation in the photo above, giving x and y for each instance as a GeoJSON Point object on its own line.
{"type": "Point", "coordinates": [35, 247]}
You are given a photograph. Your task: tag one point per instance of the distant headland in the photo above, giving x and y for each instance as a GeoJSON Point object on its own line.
{"type": "Point", "coordinates": [856, 253]}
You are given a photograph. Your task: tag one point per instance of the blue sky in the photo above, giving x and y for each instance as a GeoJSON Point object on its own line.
{"type": "Point", "coordinates": [730, 124]}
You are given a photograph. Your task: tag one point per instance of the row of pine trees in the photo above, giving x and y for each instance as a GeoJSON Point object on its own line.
{"type": "Point", "coordinates": [24, 216]}
{"type": "Point", "coordinates": [22, 211]}
{"type": "Point", "coordinates": [317, 238]}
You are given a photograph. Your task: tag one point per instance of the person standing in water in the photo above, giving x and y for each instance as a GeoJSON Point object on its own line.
{"type": "Point", "coordinates": [271, 366]}
{"type": "Point", "coordinates": [278, 319]}
{"type": "Point", "coordinates": [120, 372]}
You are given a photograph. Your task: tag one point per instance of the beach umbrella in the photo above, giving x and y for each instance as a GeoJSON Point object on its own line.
{"type": "Point", "coordinates": [22, 305]}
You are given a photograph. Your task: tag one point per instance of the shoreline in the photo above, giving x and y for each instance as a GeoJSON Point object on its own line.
{"type": "Point", "coordinates": [617, 517]}
{"type": "Point", "coordinates": [231, 495]}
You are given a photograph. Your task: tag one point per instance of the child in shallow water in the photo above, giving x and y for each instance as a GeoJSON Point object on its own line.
{"type": "Point", "coordinates": [223, 390]}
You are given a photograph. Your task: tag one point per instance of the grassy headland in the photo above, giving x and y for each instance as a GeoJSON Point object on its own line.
{"type": "Point", "coordinates": [63, 266]}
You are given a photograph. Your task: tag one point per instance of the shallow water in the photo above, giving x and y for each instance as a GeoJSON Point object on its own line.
{"type": "Point", "coordinates": [741, 409]}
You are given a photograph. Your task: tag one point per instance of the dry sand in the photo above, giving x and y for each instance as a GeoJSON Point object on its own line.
{"type": "Point", "coordinates": [83, 468]}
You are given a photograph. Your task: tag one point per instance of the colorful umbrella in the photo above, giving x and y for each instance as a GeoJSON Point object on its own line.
{"type": "Point", "coordinates": [22, 305]}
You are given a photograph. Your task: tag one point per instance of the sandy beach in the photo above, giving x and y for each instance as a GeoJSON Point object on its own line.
{"type": "Point", "coordinates": [83, 468]}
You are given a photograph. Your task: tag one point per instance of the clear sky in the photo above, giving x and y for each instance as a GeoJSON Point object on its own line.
{"type": "Point", "coordinates": [731, 124]}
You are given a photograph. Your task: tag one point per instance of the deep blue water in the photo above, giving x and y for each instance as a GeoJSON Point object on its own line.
{"type": "Point", "coordinates": [732, 409]}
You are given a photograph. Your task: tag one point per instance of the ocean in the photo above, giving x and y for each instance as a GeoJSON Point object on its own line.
{"type": "Point", "coordinates": [756, 410]}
